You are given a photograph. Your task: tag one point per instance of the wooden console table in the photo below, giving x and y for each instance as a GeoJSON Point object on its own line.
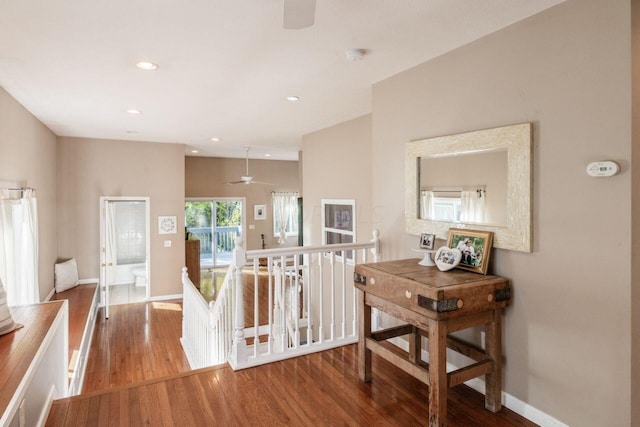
{"type": "Point", "coordinates": [433, 304]}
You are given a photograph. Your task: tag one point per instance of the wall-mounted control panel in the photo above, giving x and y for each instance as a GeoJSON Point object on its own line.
{"type": "Point", "coordinates": [604, 168]}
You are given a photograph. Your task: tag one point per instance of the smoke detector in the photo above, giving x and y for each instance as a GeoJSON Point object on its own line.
{"type": "Point", "coordinates": [355, 54]}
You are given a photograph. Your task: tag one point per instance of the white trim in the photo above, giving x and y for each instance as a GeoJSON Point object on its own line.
{"type": "Point", "coordinates": [88, 281]}
{"type": "Point", "coordinates": [51, 294]}
{"type": "Point", "coordinates": [509, 401]}
{"type": "Point", "coordinates": [44, 414]}
{"type": "Point", "coordinates": [164, 297]}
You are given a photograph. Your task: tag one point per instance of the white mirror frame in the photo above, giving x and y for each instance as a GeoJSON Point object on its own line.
{"type": "Point", "coordinates": [516, 235]}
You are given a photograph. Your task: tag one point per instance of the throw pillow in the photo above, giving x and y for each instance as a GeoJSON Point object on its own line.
{"type": "Point", "coordinates": [66, 275]}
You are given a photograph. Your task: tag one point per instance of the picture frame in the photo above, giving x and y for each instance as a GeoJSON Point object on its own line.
{"type": "Point", "coordinates": [167, 224]}
{"type": "Point", "coordinates": [259, 212]}
{"type": "Point", "coordinates": [427, 241]}
{"type": "Point", "coordinates": [475, 246]}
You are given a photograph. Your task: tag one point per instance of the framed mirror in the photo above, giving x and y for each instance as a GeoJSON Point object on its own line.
{"type": "Point", "coordinates": [479, 180]}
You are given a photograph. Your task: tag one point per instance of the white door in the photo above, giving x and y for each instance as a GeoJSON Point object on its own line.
{"type": "Point", "coordinates": [108, 247]}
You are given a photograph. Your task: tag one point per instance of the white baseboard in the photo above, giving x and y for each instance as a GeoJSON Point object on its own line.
{"type": "Point", "coordinates": [165, 297]}
{"type": "Point", "coordinates": [87, 281]}
{"type": "Point", "coordinates": [516, 405]}
{"type": "Point", "coordinates": [51, 294]}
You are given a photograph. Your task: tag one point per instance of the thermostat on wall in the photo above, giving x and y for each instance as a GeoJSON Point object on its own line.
{"type": "Point", "coordinates": [606, 168]}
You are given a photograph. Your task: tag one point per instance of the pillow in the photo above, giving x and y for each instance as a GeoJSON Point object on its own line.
{"type": "Point", "coordinates": [66, 275]}
{"type": "Point", "coordinates": [6, 320]}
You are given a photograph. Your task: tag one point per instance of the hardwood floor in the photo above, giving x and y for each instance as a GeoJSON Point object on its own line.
{"type": "Point", "coordinates": [138, 342]}
{"type": "Point", "coordinates": [319, 389]}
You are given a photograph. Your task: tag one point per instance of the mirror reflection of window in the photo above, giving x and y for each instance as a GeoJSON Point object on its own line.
{"type": "Point", "coordinates": [453, 206]}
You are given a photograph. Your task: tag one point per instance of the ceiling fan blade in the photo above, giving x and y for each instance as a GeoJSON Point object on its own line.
{"type": "Point", "coordinates": [263, 183]}
{"type": "Point", "coordinates": [299, 14]}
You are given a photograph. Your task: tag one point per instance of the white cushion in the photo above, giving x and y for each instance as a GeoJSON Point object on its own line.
{"type": "Point", "coordinates": [66, 275]}
{"type": "Point", "coordinates": [6, 320]}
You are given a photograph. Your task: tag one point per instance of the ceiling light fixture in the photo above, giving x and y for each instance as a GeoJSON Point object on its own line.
{"type": "Point", "coordinates": [267, 155]}
{"type": "Point", "coordinates": [293, 98]}
{"type": "Point", "coordinates": [130, 131]}
{"type": "Point", "coordinates": [146, 65]}
{"type": "Point", "coordinates": [195, 151]}
{"type": "Point", "coordinates": [355, 54]}
{"type": "Point", "coordinates": [215, 139]}
{"type": "Point", "coordinates": [134, 111]}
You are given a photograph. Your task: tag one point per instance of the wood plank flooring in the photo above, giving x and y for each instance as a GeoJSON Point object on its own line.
{"type": "Point", "coordinates": [318, 389]}
{"type": "Point", "coordinates": [137, 343]}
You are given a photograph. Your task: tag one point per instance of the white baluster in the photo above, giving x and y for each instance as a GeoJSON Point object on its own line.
{"type": "Point", "coordinates": [344, 294]}
{"type": "Point", "coordinates": [256, 312]}
{"type": "Point", "coordinates": [332, 325]}
{"type": "Point", "coordinates": [239, 348]}
{"type": "Point", "coordinates": [278, 312]}
{"type": "Point", "coordinates": [270, 306]}
{"type": "Point", "coordinates": [321, 298]}
{"type": "Point", "coordinates": [376, 249]}
{"type": "Point", "coordinates": [307, 297]}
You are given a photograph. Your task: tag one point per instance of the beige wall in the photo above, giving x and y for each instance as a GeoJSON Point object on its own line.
{"type": "Point", "coordinates": [567, 70]}
{"type": "Point", "coordinates": [337, 165]}
{"type": "Point", "coordinates": [91, 168]}
{"type": "Point", "coordinates": [207, 177]}
{"type": "Point", "coordinates": [635, 218]}
{"type": "Point", "coordinates": [28, 156]}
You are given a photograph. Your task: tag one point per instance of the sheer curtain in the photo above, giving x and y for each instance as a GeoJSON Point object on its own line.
{"type": "Point", "coordinates": [285, 206]}
{"type": "Point", "coordinates": [472, 206]}
{"type": "Point", "coordinates": [426, 205]}
{"type": "Point", "coordinates": [19, 246]}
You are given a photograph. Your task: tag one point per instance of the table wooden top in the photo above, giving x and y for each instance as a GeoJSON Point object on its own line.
{"type": "Point", "coordinates": [19, 348]}
{"type": "Point", "coordinates": [429, 276]}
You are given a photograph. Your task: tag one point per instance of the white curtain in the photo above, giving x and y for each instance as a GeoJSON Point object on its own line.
{"type": "Point", "coordinates": [19, 246]}
{"type": "Point", "coordinates": [472, 206]}
{"type": "Point", "coordinates": [285, 206]}
{"type": "Point", "coordinates": [426, 205]}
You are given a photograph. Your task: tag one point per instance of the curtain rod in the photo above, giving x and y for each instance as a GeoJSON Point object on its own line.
{"type": "Point", "coordinates": [19, 189]}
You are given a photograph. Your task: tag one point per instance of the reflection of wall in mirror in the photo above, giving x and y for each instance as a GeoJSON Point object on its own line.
{"type": "Point", "coordinates": [486, 169]}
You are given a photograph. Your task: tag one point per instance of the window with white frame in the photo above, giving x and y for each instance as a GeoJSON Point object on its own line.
{"type": "Point", "coordinates": [339, 222]}
{"type": "Point", "coordinates": [285, 215]}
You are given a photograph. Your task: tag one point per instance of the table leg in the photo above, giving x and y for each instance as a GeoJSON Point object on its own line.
{"type": "Point", "coordinates": [493, 380]}
{"type": "Point", "coordinates": [415, 347]}
{"type": "Point", "coordinates": [437, 373]}
{"type": "Point", "coordinates": [364, 330]}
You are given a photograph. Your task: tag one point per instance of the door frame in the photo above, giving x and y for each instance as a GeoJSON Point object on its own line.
{"type": "Point", "coordinates": [243, 223]}
{"type": "Point", "coordinates": [102, 266]}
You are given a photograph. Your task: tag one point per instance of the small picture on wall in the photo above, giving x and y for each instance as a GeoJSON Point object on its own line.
{"type": "Point", "coordinates": [259, 212]}
{"type": "Point", "coordinates": [167, 225]}
{"type": "Point", "coordinates": [427, 241]}
{"type": "Point", "coordinates": [475, 246]}
{"type": "Point", "coordinates": [342, 220]}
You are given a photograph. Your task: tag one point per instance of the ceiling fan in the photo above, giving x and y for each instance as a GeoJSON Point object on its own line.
{"type": "Point", "coordinates": [298, 14]}
{"type": "Point", "coordinates": [248, 179]}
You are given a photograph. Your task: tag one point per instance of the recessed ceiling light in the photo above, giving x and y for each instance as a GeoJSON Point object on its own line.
{"type": "Point", "coordinates": [134, 111]}
{"type": "Point", "coordinates": [194, 151]}
{"type": "Point", "coordinates": [293, 98]}
{"type": "Point", "coordinates": [130, 131]}
{"type": "Point", "coordinates": [146, 65]}
{"type": "Point", "coordinates": [267, 155]}
{"type": "Point", "coordinates": [215, 139]}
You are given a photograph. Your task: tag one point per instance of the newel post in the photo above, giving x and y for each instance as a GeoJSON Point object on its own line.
{"type": "Point", "coordinates": [185, 275]}
{"type": "Point", "coordinates": [239, 348]}
{"type": "Point", "coordinates": [376, 249]}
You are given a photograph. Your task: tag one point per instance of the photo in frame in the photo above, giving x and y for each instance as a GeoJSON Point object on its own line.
{"type": "Point", "coordinates": [259, 212]}
{"type": "Point", "coordinates": [427, 241]}
{"type": "Point", "coordinates": [475, 246]}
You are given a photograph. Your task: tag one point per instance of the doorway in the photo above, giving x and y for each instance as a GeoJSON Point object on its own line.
{"type": "Point", "coordinates": [124, 250]}
{"type": "Point", "coordinates": [215, 222]}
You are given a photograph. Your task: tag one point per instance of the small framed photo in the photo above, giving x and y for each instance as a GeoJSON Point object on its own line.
{"type": "Point", "coordinates": [427, 241]}
{"type": "Point", "coordinates": [259, 212]}
{"type": "Point", "coordinates": [475, 246]}
{"type": "Point", "coordinates": [167, 225]}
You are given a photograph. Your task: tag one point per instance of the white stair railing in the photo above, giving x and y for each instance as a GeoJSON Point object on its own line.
{"type": "Point", "coordinates": [303, 301]}
{"type": "Point", "coordinates": [206, 327]}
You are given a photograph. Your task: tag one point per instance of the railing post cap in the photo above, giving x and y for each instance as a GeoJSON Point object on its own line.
{"type": "Point", "coordinates": [184, 270]}
{"type": "Point", "coordinates": [239, 240]}
{"type": "Point", "coordinates": [376, 233]}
